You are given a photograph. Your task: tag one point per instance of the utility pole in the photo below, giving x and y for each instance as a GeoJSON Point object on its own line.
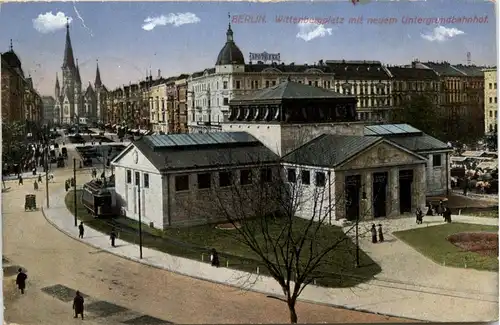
{"type": "Point", "coordinates": [74, 193]}
{"type": "Point", "coordinates": [47, 173]}
{"type": "Point", "coordinates": [140, 219]}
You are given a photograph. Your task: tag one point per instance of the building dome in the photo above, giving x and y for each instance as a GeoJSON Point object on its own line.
{"type": "Point", "coordinates": [12, 60]}
{"type": "Point", "coordinates": [230, 53]}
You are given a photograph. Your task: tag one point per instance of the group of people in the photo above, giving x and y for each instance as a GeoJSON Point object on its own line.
{"type": "Point", "coordinates": [78, 301]}
{"type": "Point", "coordinates": [69, 183]}
{"type": "Point", "coordinates": [375, 232]}
{"type": "Point", "coordinates": [440, 210]}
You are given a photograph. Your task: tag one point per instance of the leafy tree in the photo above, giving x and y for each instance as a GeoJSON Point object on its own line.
{"type": "Point", "coordinates": [13, 142]}
{"type": "Point", "coordinates": [420, 112]}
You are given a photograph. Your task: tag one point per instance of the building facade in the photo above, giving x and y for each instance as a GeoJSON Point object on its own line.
{"type": "Point", "coordinates": [128, 106]}
{"type": "Point", "coordinates": [157, 98]}
{"type": "Point", "coordinates": [180, 105]}
{"type": "Point", "coordinates": [370, 82]}
{"type": "Point", "coordinates": [490, 101]}
{"type": "Point", "coordinates": [49, 115]}
{"type": "Point", "coordinates": [73, 104]}
{"type": "Point", "coordinates": [408, 82]}
{"type": "Point", "coordinates": [210, 91]}
{"type": "Point", "coordinates": [462, 97]}
{"type": "Point", "coordinates": [20, 101]}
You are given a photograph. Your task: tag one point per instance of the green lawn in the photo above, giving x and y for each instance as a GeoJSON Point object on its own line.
{"type": "Point", "coordinates": [485, 214]}
{"type": "Point", "coordinates": [192, 242]}
{"type": "Point", "coordinates": [431, 242]}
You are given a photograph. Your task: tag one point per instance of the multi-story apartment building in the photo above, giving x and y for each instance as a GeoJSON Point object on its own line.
{"type": "Point", "coordinates": [49, 115]}
{"type": "Point", "coordinates": [180, 105]}
{"type": "Point", "coordinates": [157, 96]}
{"type": "Point", "coordinates": [411, 81]}
{"type": "Point", "coordinates": [20, 101]}
{"type": "Point", "coordinates": [461, 99]}
{"type": "Point", "coordinates": [490, 101]}
{"type": "Point", "coordinates": [210, 91]}
{"type": "Point", "coordinates": [369, 81]}
{"type": "Point", "coordinates": [129, 105]}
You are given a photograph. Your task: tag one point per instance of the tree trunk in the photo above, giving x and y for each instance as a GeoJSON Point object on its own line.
{"type": "Point", "coordinates": [293, 313]}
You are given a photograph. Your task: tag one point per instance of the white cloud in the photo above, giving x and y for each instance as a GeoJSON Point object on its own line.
{"type": "Point", "coordinates": [310, 31]}
{"type": "Point", "coordinates": [48, 22]}
{"type": "Point", "coordinates": [171, 19]}
{"type": "Point", "coordinates": [441, 34]}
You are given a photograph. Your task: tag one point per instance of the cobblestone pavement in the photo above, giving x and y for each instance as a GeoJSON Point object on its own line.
{"type": "Point", "coordinates": [52, 258]}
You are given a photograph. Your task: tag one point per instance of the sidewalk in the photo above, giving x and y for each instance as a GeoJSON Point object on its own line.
{"type": "Point", "coordinates": [26, 175]}
{"type": "Point", "coordinates": [382, 295]}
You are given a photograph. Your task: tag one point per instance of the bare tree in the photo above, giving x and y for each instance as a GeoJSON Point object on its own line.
{"type": "Point", "coordinates": [262, 203]}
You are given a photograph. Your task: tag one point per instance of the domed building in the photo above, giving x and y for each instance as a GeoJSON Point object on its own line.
{"type": "Point", "coordinates": [210, 90]}
{"type": "Point", "coordinates": [73, 104]}
{"type": "Point", "coordinates": [20, 101]}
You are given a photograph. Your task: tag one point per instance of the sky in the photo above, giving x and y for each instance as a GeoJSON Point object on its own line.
{"type": "Point", "coordinates": [131, 38]}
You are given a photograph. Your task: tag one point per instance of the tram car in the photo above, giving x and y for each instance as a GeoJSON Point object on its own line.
{"type": "Point", "coordinates": [99, 200]}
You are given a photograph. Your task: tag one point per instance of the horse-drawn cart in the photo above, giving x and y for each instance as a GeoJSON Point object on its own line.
{"type": "Point", "coordinates": [30, 202]}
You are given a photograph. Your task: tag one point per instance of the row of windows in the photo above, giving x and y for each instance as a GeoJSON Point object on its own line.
{"type": "Point", "coordinates": [491, 114]}
{"type": "Point", "coordinates": [305, 177]}
{"type": "Point", "coordinates": [226, 178]}
{"type": "Point", "coordinates": [491, 100]}
{"type": "Point", "coordinates": [493, 128]}
{"type": "Point", "coordinates": [145, 182]}
{"type": "Point", "coordinates": [491, 85]}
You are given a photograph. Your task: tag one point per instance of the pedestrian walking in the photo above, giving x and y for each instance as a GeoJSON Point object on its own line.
{"type": "Point", "coordinates": [35, 185]}
{"type": "Point", "coordinates": [380, 233]}
{"type": "Point", "coordinates": [21, 280]}
{"type": "Point", "coordinates": [447, 215]}
{"type": "Point", "coordinates": [94, 173]}
{"type": "Point", "coordinates": [66, 185]}
{"type": "Point", "coordinates": [78, 304]}
{"type": "Point", "coordinates": [440, 208]}
{"type": "Point", "coordinates": [81, 230]}
{"type": "Point", "coordinates": [112, 236]}
{"type": "Point", "coordinates": [39, 178]}
{"type": "Point", "coordinates": [20, 177]}
{"type": "Point", "coordinates": [214, 258]}
{"type": "Point", "coordinates": [374, 234]}
{"type": "Point", "coordinates": [420, 216]}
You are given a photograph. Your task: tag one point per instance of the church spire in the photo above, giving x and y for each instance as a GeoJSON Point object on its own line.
{"type": "Point", "coordinates": [69, 61]}
{"type": "Point", "coordinates": [57, 82]}
{"type": "Point", "coordinates": [98, 82]}
{"type": "Point", "coordinates": [78, 78]}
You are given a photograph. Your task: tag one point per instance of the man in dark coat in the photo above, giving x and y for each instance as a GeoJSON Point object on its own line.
{"type": "Point", "coordinates": [81, 230]}
{"type": "Point", "coordinates": [21, 280]}
{"type": "Point", "coordinates": [20, 179]}
{"type": "Point", "coordinates": [374, 234]}
{"type": "Point", "coordinates": [78, 304]}
{"type": "Point", "coordinates": [112, 236]}
{"type": "Point", "coordinates": [214, 258]}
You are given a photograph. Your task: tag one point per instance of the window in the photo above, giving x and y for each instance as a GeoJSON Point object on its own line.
{"type": "Point", "coordinates": [204, 180]}
{"type": "Point", "coordinates": [436, 160]}
{"type": "Point", "coordinates": [491, 85]}
{"type": "Point", "coordinates": [495, 85]}
{"type": "Point", "coordinates": [491, 113]}
{"type": "Point", "coordinates": [491, 100]}
{"type": "Point", "coordinates": [315, 84]}
{"type": "Point", "coordinates": [225, 101]}
{"type": "Point", "coordinates": [246, 177]}
{"type": "Point", "coordinates": [238, 84]}
{"type": "Point", "coordinates": [137, 178]}
{"type": "Point", "coordinates": [305, 177]}
{"type": "Point", "coordinates": [225, 179]}
{"type": "Point", "coordinates": [267, 83]}
{"type": "Point", "coordinates": [266, 175]}
{"type": "Point", "coordinates": [146, 180]}
{"type": "Point", "coordinates": [495, 100]}
{"type": "Point", "coordinates": [224, 85]}
{"type": "Point", "coordinates": [292, 176]}
{"type": "Point", "coordinates": [129, 177]}
{"type": "Point", "coordinates": [310, 83]}
{"type": "Point", "coordinates": [274, 83]}
{"type": "Point", "coordinates": [320, 179]}
{"type": "Point", "coordinates": [182, 183]}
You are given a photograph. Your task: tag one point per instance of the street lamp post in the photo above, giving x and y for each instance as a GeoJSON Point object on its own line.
{"type": "Point", "coordinates": [140, 216]}
{"type": "Point", "coordinates": [74, 193]}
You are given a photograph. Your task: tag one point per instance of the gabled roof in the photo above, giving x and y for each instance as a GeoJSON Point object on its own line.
{"type": "Point", "coordinates": [443, 69]}
{"type": "Point", "coordinates": [288, 90]}
{"type": "Point", "coordinates": [329, 150]}
{"type": "Point", "coordinates": [470, 70]}
{"type": "Point", "coordinates": [193, 151]}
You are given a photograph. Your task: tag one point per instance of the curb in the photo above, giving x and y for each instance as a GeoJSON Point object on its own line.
{"type": "Point", "coordinates": [136, 260]}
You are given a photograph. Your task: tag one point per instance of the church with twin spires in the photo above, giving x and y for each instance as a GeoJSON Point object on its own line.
{"type": "Point", "coordinates": [74, 104]}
